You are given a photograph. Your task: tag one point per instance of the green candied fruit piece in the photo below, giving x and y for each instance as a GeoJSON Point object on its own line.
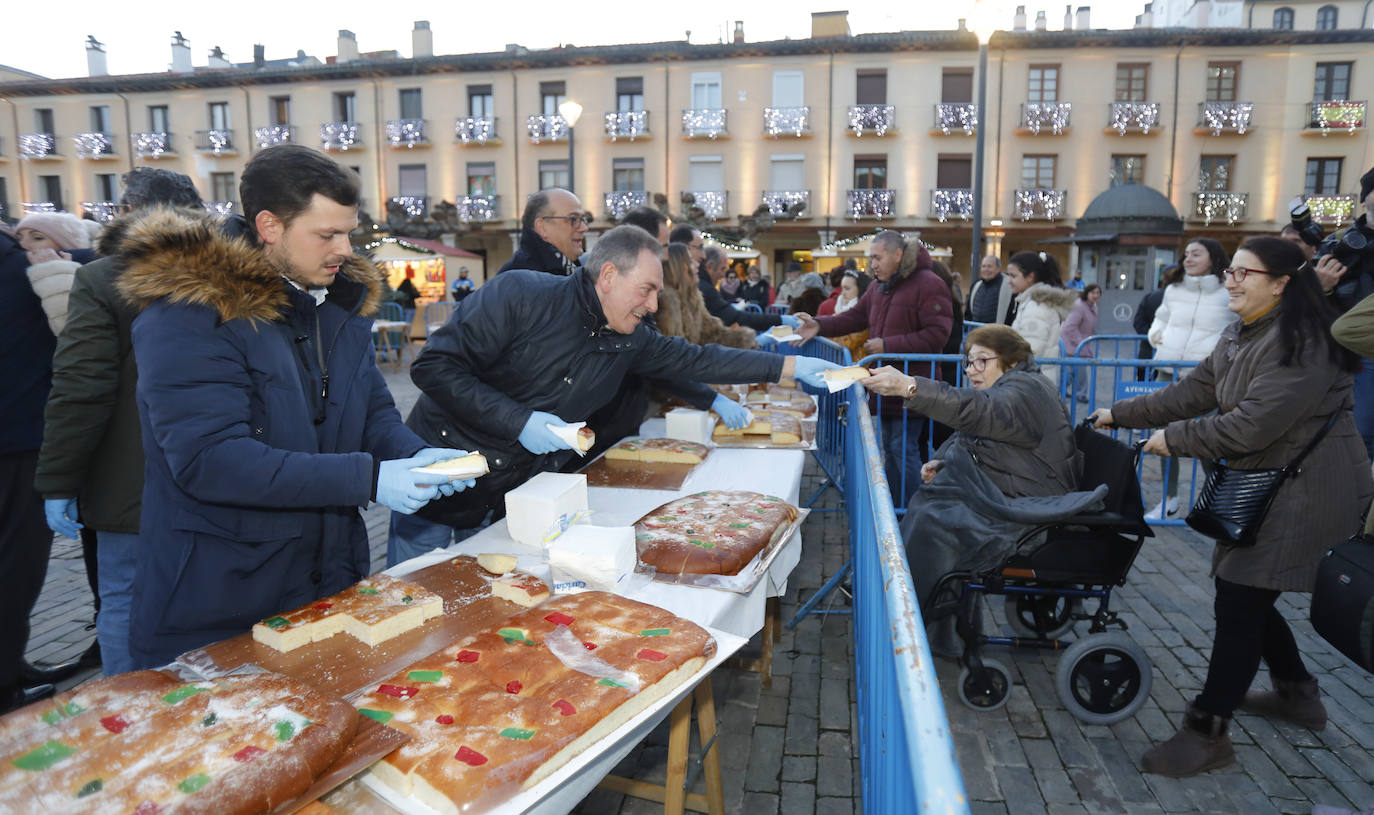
{"type": "Point", "coordinates": [90, 788]}
{"type": "Point", "coordinates": [209, 720]}
{"type": "Point", "coordinates": [284, 730]}
{"type": "Point", "coordinates": [181, 694]}
{"type": "Point", "coordinates": [643, 536]}
{"type": "Point", "coordinates": [738, 525]}
{"type": "Point", "coordinates": [666, 518]}
{"type": "Point", "coordinates": [276, 622]}
{"type": "Point", "coordinates": [44, 756]}
{"type": "Point", "coordinates": [425, 676]}
{"type": "Point", "coordinates": [612, 683]}
{"type": "Point", "coordinates": [367, 590]}
{"type": "Point", "coordinates": [287, 727]}
{"type": "Point", "coordinates": [655, 632]}
{"type": "Point", "coordinates": [518, 733]}
{"type": "Point", "coordinates": [407, 599]}
{"type": "Point", "coordinates": [701, 543]}
{"type": "Point", "coordinates": [514, 636]}
{"type": "Point", "coordinates": [194, 783]}
{"type": "Point", "coordinates": [73, 708]}
{"type": "Point", "coordinates": [52, 717]}
{"type": "Point", "coordinates": [380, 716]}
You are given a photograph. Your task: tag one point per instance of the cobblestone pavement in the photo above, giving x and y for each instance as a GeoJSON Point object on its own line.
{"type": "Point", "coordinates": [791, 749]}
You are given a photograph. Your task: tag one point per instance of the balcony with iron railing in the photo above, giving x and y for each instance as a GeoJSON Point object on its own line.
{"type": "Point", "coordinates": [544, 127]}
{"type": "Point", "coordinates": [866, 203]}
{"type": "Point", "coordinates": [951, 202]}
{"type": "Point", "coordinates": [1331, 209]}
{"type": "Point", "coordinates": [782, 202]}
{"type": "Point", "coordinates": [340, 136]}
{"type": "Point", "coordinates": [1041, 117]}
{"type": "Point", "coordinates": [619, 202]}
{"type": "Point", "coordinates": [413, 205]}
{"type": "Point", "coordinates": [478, 208]}
{"type": "Point", "coordinates": [1224, 117]}
{"type": "Point", "coordinates": [1134, 117]}
{"type": "Point", "coordinates": [1040, 204]}
{"type": "Point", "coordinates": [154, 144]}
{"type": "Point", "coordinates": [475, 129]}
{"type": "Point", "coordinates": [1218, 205]}
{"type": "Point", "coordinates": [407, 133]}
{"type": "Point", "coordinates": [875, 119]}
{"type": "Point", "coordinates": [1342, 116]}
{"type": "Point", "coordinates": [705, 123]}
{"type": "Point", "coordinates": [216, 142]}
{"type": "Point", "coordinates": [30, 207]}
{"type": "Point", "coordinates": [94, 145]}
{"type": "Point", "coordinates": [787, 121]}
{"type": "Point", "coordinates": [37, 146]}
{"type": "Point", "coordinates": [273, 135]}
{"type": "Point", "coordinates": [952, 116]}
{"type": "Point", "coordinates": [102, 211]}
{"type": "Point", "coordinates": [632, 124]}
{"type": "Point", "coordinates": [714, 204]}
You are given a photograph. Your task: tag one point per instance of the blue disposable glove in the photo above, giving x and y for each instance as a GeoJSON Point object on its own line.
{"type": "Point", "coordinates": [790, 321]}
{"type": "Point", "coordinates": [61, 513]}
{"type": "Point", "coordinates": [766, 337]}
{"type": "Point", "coordinates": [406, 491]}
{"type": "Point", "coordinates": [444, 454]}
{"type": "Point", "coordinates": [731, 412]}
{"type": "Point", "coordinates": [537, 438]}
{"type": "Point", "coordinates": [809, 370]}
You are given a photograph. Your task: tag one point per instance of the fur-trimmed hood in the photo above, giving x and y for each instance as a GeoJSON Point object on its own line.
{"type": "Point", "coordinates": [1061, 300]}
{"type": "Point", "coordinates": [187, 257]}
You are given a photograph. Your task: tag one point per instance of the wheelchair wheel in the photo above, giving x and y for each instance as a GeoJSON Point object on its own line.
{"type": "Point", "coordinates": [988, 692]}
{"type": "Point", "coordinates": [1042, 616]}
{"type": "Point", "coordinates": [1103, 678]}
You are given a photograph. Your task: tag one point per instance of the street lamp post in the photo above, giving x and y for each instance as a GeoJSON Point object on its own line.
{"type": "Point", "coordinates": [571, 112]}
{"type": "Point", "coordinates": [984, 24]}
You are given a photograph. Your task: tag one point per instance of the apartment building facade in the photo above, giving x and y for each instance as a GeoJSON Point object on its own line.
{"type": "Point", "coordinates": [862, 132]}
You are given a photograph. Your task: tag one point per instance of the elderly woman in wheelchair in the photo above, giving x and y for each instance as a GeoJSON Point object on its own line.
{"type": "Point", "coordinates": [1020, 503]}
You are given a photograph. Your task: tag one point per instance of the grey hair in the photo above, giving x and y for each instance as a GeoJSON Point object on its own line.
{"type": "Point", "coordinates": [621, 248]}
{"type": "Point", "coordinates": [891, 239]}
{"type": "Point", "coordinates": [714, 255]}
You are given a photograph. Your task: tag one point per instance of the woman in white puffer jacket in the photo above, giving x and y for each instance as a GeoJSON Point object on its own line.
{"type": "Point", "coordinates": [1187, 326]}
{"type": "Point", "coordinates": [1042, 303]}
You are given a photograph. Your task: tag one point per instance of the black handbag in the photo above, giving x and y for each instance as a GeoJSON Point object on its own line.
{"type": "Point", "coordinates": [1343, 599]}
{"type": "Point", "coordinates": [1233, 503]}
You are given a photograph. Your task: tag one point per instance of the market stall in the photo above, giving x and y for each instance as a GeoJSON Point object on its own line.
{"type": "Point", "coordinates": [431, 266]}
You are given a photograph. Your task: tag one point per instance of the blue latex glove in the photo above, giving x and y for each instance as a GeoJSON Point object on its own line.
{"type": "Point", "coordinates": [405, 491]}
{"type": "Point", "coordinates": [809, 370]}
{"type": "Point", "coordinates": [444, 454]}
{"type": "Point", "coordinates": [766, 337]}
{"type": "Point", "coordinates": [537, 438]}
{"type": "Point", "coordinates": [61, 514]}
{"type": "Point", "coordinates": [790, 321]}
{"type": "Point", "coordinates": [731, 412]}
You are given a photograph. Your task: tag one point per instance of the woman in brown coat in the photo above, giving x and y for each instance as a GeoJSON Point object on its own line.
{"type": "Point", "coordinates": [682, 311]}
{"type": "Point", "coordinates": [1274, 378]}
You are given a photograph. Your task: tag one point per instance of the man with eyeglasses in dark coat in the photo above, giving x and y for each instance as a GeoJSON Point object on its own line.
{"type": "Point", "coordinates": [551, 231]}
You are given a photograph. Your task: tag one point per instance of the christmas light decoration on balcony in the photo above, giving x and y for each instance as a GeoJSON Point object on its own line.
{"type": "Point", "coordinates": [964, 116]}
{"type": "Point", "coordinates": [872, 203]}
{"type": "Point", "coordinates": [620, 202]}
{"type": "Point", "coordinates": [151, 145]}
{"type": "Point", "coordinates": [219, 141]}
{"type": "Point", "coordinates": [414, 205]}
{"type": "Point", "coordinates": [877, 118]}
{"type": "Point", "coordinates": [93, 145]}
{"type": "Point", "coordinates": [708, 122]}
{"type": "Point", "coordinates": [37, 145]}
{"type": "Point", "coordinates": [1349, 115]}
{"type": "Point", "coordinates": [407, 133]}
{"type": "Point", "coordinates": [1141, 115]}
{"type": "Point", "coordinates": [796, 121]}
{"type": "Point", "coordinates": [1215, 205]}
{"type": "Point", "coordinates": [477, 208]}
{"type": "Point", "coordinates": [475, 129]}
{"type": "Point", "coordinates": [272, 135]}
{"type": "Point", "coordinates": [1055, 115]}
{"type": "Point", "coordinates": [102, 211]}
{"type": "Point", "coordinates": [711, 202]}
{"type": "Point", "coordinates": [947, 202]}
{"type": "Point", "coordinates": [1039, 203]}
{"type": "Point", "coordinates": [30, 207]}
{"type": "Point", "coordinates": [744, 245]}
{"type": "Point", "coordinates": [339, 136]}
{"type": "Point", "coordinates": [1217, 116]}
{"type": "Point", "coordinates": [220, 208]}
{"type": "Point", "coordinates": [780, 201]}
{"type": "Point", "coordinates": [845, 243]}
{"type": "Point", "coordinates": [1331, 209]}
{"type": "Point", "coordinates": [628, 124]}
{"type": "Point", "coordinates": [550, 127]}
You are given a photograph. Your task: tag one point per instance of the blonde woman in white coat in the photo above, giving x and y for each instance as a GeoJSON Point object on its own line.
{"type": "Point", "coordinates": [1188, 323]}
{"type": "Point", "coordinates": [1042, 303]}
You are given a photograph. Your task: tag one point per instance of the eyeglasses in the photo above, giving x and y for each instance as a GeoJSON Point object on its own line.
{"type": "Point", "coordinates": [978, 364]}
{"type": "Point", "coordinates": [1239, 272]}
{"type": "Point", "coordinates": [575, 220]}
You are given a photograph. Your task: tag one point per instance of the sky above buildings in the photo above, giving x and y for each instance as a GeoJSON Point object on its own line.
{"type": "Point", "coordinates": [49, 40]}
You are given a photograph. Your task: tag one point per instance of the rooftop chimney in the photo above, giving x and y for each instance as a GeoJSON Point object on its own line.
{"type": "Point", "coordinates": [181, 54]}
{"type": "Point", "coordinates": [348, 46]}
{"type": "Point", "coordinates": [739, 31]}
{"type": "Point", "coordinates": [1018, 20]}
{"type": "Point", "coordinates": [259, 56]}
{"type": "Point", "coordinates": [1146, 19]}
{"type": "Point", "coordinates": [1040, 21]}
{"type": "Point", "coordinates": [95, 57]}
{"type": "Point", "coordinates": [962, 27]}
{"type": "Point", "coordinates": [218, 59]}
{"type": "Point", "coordinates": [1083, 12]}
{"type": "Point", "coordinates": [421, 40]}
{"type": "Point", "coordinates": [829, 24]}
{"type": "Point", "coordinates": [1068, 18]}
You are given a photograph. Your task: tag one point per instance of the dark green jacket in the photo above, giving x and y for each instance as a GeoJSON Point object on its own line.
{"type": "Point", "coordinates": [92, 445]}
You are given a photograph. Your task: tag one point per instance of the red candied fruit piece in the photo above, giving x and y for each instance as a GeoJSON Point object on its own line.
{"type": "Point", "coordinates": [590, 646]}
{"type": "Point", "coordinates": [651, 655]}
{"type": "Point", "coordinates": [397, 691]}
{"type": "Point", "coordinates": [114, 724]}
{"type": "Point", "coordinates": [444, 718]}
{"type": "Point", "coordinates": [470, 757]}
{"type": "Point", "coordinates": [248, 753]}
{"type": "Point", "coordinates": [514, 686]}
{"type": "Point", "coordinates": [559, 618]}
{"type": "Point", "coordinates": [565, 707]}
{"type": "Point", "coordinates": [322, 606]}
{"type": "Point", "coordinates": [147, 808]}
{"type": "Point", "coordinates": [468, 656]}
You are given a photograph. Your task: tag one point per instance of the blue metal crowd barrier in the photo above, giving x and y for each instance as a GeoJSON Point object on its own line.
{"type": "Point", "coordinates": [829, 450]}
{"type": "Point", "coordinates": [752, 308]}
{"type": "Point", "coordinates": [779, 308]}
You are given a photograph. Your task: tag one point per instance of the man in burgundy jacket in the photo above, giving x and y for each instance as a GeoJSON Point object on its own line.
{"type": "Point", "coordinates": [907, 311]}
